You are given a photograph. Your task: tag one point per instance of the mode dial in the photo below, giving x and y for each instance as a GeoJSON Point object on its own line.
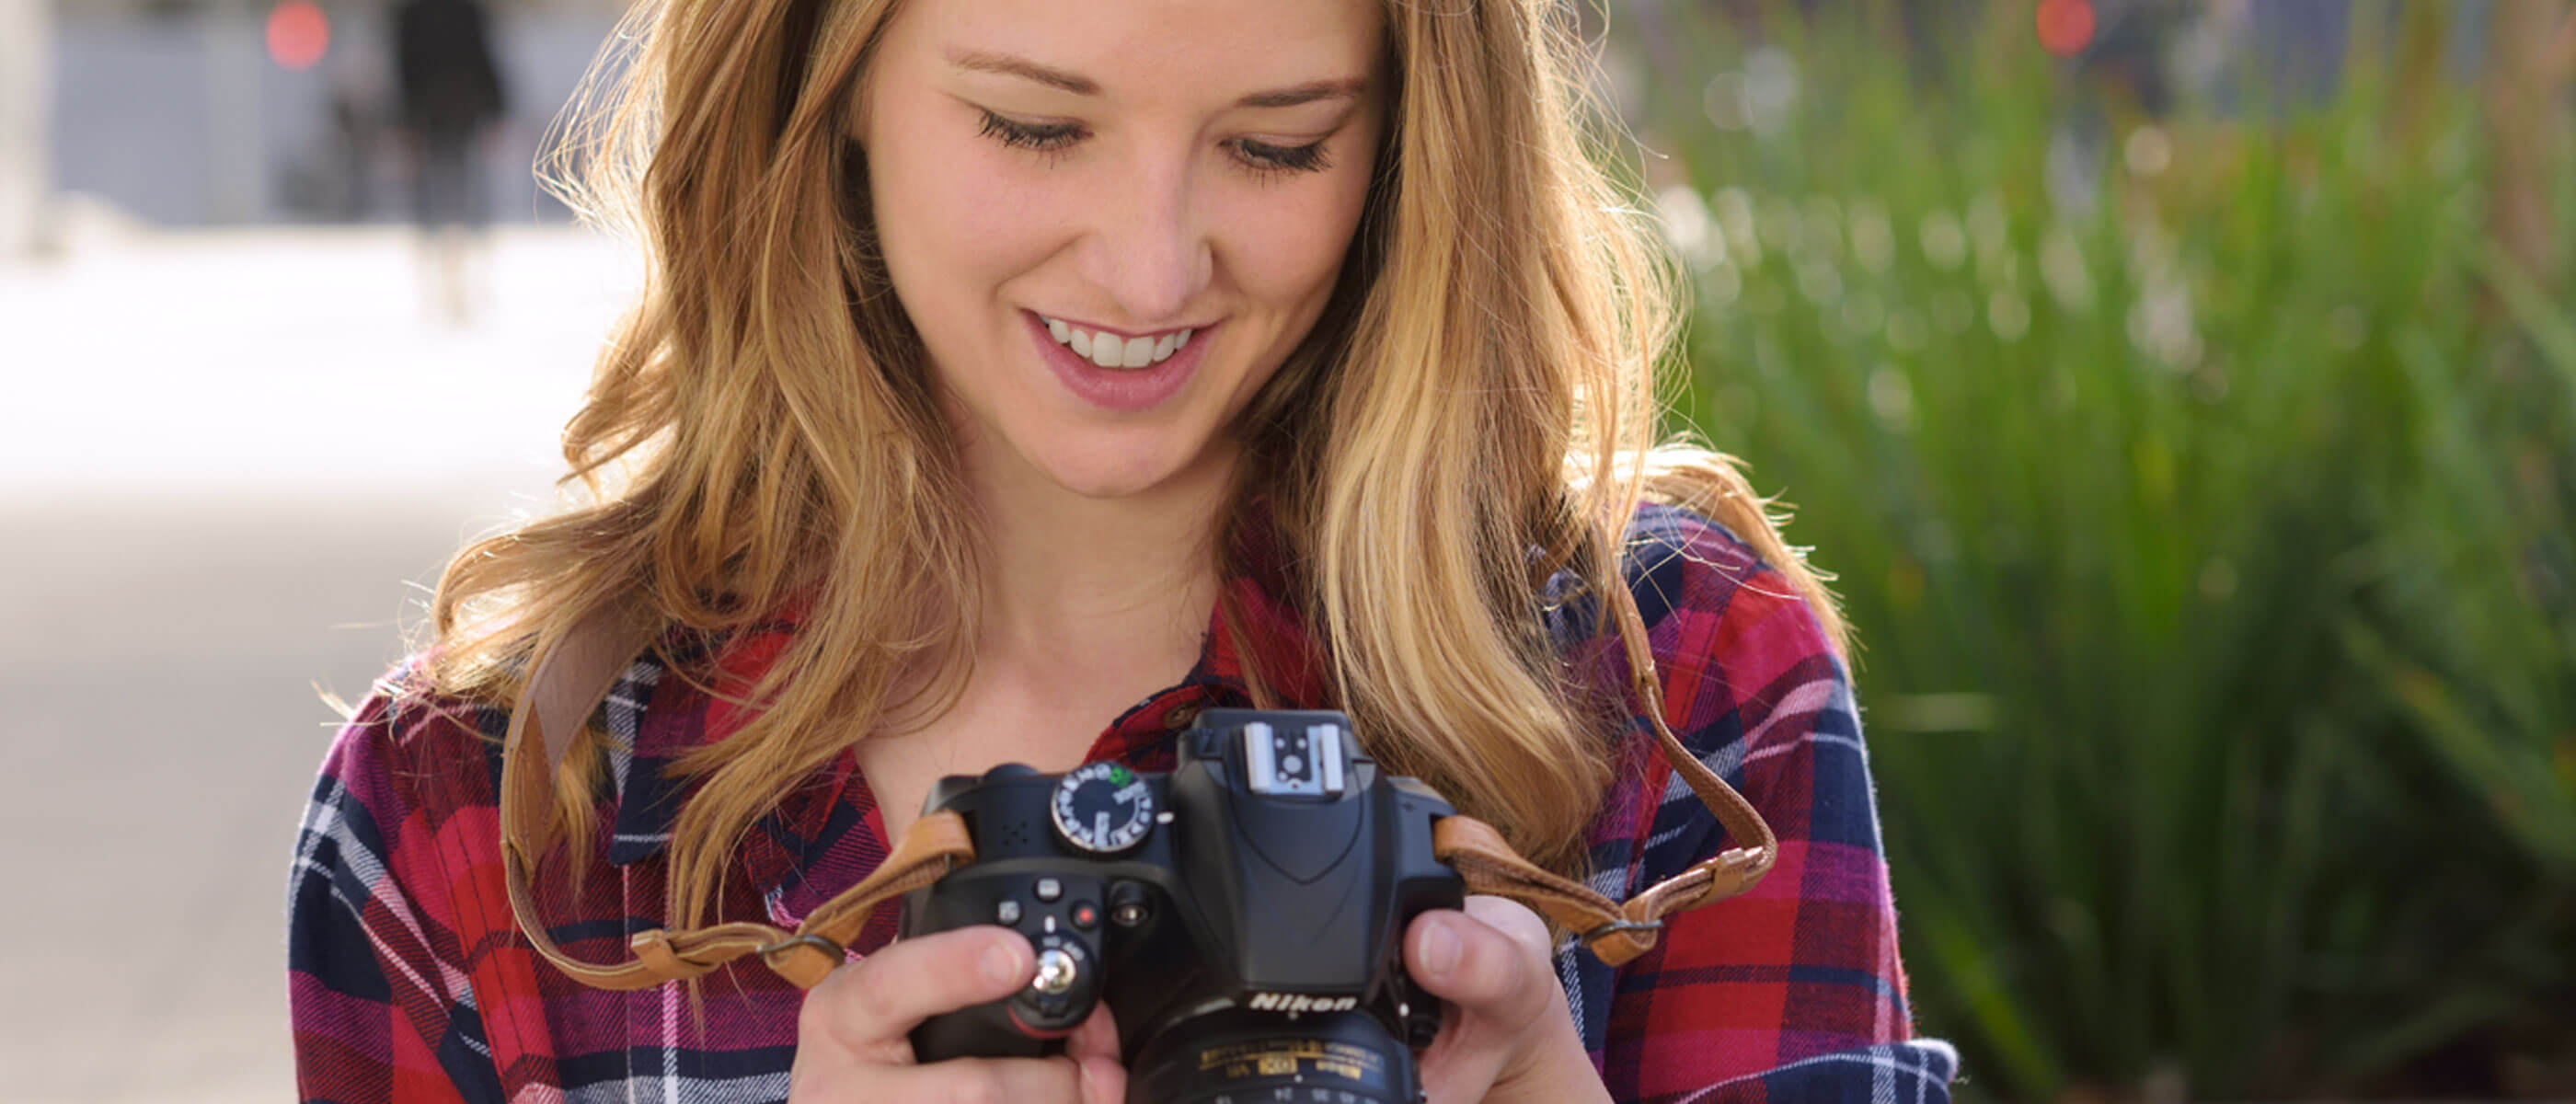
{"type": "Point", "coordinates": [1103, 808]}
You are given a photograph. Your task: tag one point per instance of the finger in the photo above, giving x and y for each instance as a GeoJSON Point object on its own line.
{"type": "Point", "coordinates": [1487, 960]}
{"type": "Point", "coordinates": [881, 998]}
{"type": "Point", "coordinates": [1097, 1035]}
{"type": "Point", "coordinates": [1514, 919]}
{"type": "Point", "coordinates": [988, 1081]}
{"type": "Point", "coordinates": [1094, 1047]}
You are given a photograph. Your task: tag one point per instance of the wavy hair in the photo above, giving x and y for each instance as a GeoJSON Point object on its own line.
{"type": "Point", "coordinates": [1473, 412]}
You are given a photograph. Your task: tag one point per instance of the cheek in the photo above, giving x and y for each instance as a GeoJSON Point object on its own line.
{"type": "Point", "coordinates": [1293, 243]}
{"type": "Point", "coordinates": [949, 211]}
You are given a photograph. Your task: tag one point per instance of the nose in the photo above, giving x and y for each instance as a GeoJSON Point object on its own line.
{"type": "Point", "coordinates": [1146, 248]}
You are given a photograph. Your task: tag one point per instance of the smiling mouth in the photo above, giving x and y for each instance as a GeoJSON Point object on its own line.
{"type": "Point", "coordinates": [1109, 350]}
{"type": "Point", "coordinates": [1121, 389]}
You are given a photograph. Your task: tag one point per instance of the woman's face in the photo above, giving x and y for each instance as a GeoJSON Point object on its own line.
{"type": "Point", "coordinates": [1133, 168]}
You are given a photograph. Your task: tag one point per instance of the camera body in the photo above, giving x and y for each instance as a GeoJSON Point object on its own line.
{"type": "Point", "coordinates": [1243, 915]}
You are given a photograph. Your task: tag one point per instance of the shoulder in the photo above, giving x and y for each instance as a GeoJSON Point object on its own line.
{"type": "Point", "coordinates": [401, 769]}
{"type": "Point", "coordinates": [379, 861]}
{"type": "Point", "coordinates": [1731, 637]}
{"type": "Point", "coordinates": [405, 735]}
{"type": "Point", "coordinates": [1753, 688]}
{"type": "Point", "coordinates": [1676, 561]}
{"type": "Point", "coordinates": [1749, 682]}
{"type": "Point", "coordinates": [402, 829]}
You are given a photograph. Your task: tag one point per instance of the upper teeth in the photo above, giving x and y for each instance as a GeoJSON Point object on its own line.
{"type": "Point", "coordinates": [1113, 351]}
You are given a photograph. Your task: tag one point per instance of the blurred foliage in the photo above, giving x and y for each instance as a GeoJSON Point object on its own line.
{"type": "Point", "coordinates": [2200, 488]}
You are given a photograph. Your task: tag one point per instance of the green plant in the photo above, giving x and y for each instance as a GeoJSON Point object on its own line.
{"type": "Point", "coordinates": [2201, 493]}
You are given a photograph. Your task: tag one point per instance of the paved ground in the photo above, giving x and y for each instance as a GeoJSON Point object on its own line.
{"type": "Point", "coordinates": [228, 463]}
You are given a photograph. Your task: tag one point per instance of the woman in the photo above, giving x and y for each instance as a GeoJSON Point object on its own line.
{"type": "Point", "coordinates": [1352, 417]}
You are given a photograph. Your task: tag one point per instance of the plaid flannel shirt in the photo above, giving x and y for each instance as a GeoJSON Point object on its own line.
{"type": "Point", "coordinates": [409, 981]}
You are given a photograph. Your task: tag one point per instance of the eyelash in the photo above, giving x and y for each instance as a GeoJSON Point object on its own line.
{"type": "Point", "coordinates": [1261, 160]}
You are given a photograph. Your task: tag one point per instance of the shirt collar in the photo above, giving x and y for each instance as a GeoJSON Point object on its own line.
{"type": "Point", "coordinates": [1264, 594]}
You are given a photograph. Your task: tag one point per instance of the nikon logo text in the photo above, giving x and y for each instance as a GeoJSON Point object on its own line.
{"type": "Point", "coordinates": [1298, 1002]}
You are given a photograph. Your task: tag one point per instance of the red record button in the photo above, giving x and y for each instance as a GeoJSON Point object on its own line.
{"type": "Point", "coordinates": [1085, 917]}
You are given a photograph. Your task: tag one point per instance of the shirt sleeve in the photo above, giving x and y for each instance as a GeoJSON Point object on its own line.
{"type": "Point", "coordinates": [379, 1011]}
{"type": "Point", "coordinates": [1793, 990]}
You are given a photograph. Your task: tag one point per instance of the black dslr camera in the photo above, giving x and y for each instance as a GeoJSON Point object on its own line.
{"type": "Point", "coordinates": [1243, 915]}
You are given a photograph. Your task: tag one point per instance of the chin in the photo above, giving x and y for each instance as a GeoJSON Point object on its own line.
{"type": "Point", "coordinates": [1109, 473]}
{"type": "Point", "coordinates": [1111, 485]}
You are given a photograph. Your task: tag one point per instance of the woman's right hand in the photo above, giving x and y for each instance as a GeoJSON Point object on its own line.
{"type": "Point", "coordinates": [853, 1036]}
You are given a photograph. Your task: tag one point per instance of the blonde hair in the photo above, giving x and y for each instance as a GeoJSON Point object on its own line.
{"type": "Point", "coordinates": [1474, 411]}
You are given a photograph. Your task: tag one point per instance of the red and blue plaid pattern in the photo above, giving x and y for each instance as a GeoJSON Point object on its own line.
{"type": "Point", "coordinates": [409, 980]}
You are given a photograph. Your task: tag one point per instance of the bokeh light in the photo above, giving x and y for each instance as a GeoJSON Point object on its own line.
{"type": "Point", "coordinates": [2065, 26]}
{"type": "Point", "coordinates": [298, 35]}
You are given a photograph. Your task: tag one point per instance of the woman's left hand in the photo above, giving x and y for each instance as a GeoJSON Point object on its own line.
{"type": "Point", "coordinates": [1506, 1034]}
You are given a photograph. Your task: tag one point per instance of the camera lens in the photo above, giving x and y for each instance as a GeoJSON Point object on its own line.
{"type": "Point", "coordinates": [1243, 1055]}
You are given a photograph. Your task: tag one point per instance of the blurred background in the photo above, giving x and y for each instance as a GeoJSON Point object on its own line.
{"type": "Point", "coordinates": [2184, 392]}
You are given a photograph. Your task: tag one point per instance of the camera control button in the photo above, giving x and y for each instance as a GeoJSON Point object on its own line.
{"type": "Point", "coordinates": [1056, 972]}
{"type": "Point", "coordinates": [1008, 912]}
{"type": "Point", "coordinates": [1049, 889]}
{"type": "Point", "coordinates": [1084, 916]}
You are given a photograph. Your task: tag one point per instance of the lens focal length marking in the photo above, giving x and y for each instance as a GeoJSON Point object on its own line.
{"type": "Point", "coordinates": [1279, 1057]}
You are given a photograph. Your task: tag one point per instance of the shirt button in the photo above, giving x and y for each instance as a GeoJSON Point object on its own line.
{"type": "Point", "coordinates": [1180, 717]}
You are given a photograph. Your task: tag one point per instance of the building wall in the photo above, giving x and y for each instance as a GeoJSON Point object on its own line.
{"type": "Point", "coordinates": [120, 10]}
{"type": "Point", "coordinates": [23, 79]}
{"type": "Point", "coordinates": [175, 114]}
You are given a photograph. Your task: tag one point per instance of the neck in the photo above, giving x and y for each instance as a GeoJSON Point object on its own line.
{"type": "Point", "coordinates": [1070, 577]}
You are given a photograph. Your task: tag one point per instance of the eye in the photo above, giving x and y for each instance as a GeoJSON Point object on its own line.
{"type": "Point", "coordinates": [1308, 158]}
{"type": "Point", "coordinates": [1048, 139]}
{"type": "Point", "coordinates": [1260, 160]}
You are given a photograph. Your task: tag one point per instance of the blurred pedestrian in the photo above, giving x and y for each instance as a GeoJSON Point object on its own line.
{"type": "Point", "coordinates": [452, 97]}
{"type": "Point", "coordinates": [355, 131]}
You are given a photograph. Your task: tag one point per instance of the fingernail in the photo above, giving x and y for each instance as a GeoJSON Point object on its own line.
{"type": "Point", "coordinates": [1001, 965]}
{"type": "Point", "coordinates": [1439, 948]}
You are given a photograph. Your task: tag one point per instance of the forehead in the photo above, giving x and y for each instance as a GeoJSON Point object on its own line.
{"type": "Point", "coordinates": [1138, 51]}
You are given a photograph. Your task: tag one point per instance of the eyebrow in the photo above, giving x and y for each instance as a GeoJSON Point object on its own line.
{"type": "Point", "coordinates": [983, 62]}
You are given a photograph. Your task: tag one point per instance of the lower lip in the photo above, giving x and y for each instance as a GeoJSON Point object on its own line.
{"type": "Point", "coordinates": [1122, 389]}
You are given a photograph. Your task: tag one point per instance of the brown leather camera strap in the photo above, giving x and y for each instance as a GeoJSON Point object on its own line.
{"type": "Point", "coordinates": [1617, 933]}
{"type": "Point", "coordinates": [570, 676]}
